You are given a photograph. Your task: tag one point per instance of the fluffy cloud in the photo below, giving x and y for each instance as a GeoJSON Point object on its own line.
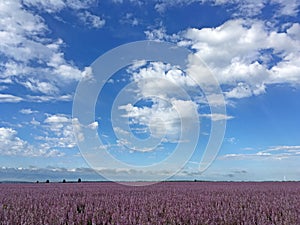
{"type": "Point", "coordinates": [242, 55]}
{"type": "Point", "coordinates": [173, 98]}
{"type": "Point", "coordinates": [12, 145]}
{"type": "Point", "coordinates": [161, 118]}
{"type": "Point", "coordinates": [60, 131]}
{"type": "Point", "coordinates": [29, 58]}
{"type": "Point", "coordinates": [159, 79]}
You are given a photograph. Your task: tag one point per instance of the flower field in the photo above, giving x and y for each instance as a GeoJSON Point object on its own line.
{"type": "Point", "coordinates": [163, 203]}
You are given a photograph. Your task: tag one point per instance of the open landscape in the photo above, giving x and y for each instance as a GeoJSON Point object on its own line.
{"type": "Point", "coordinates": [199, 97]}
{"type": "Point", "coordinates": [162, 203]}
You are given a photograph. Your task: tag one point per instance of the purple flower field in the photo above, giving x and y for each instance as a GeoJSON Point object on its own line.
{"type": "Point", "coordinates": [163, 203]}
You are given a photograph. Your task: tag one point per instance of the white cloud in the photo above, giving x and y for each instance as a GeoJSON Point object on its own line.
{"type": "Point", "coordinates": [287, 7]}
{"type": "Point", "coordinates": [63, 70]}
{"type": "Point", "coordinates": [217, 117]}
{"type": "Point", "coordinates": [53, 119]}
{"type": "Point", "coordinates": [240, 52]}
{"type": "Point", "coordinates": [61, 132]}
{"type": "Point", "coordinates": [241, 8]}
{"type": "Point", "coordinates": [162, 5]}
{"type": "Point", "coordinates": [48, 98]}
{"type": "Point", "coordinates": [35, 122]}
{"type": "Point", "coordinates": [91, 20]}
{"type": "Point", "coordinates": [129, 19]}
{"type": "Point", "coordinates": [156, 34]}
{"type": "Point", "coordinates": [174, 97]}
{"type": "Point", "coordinates": [28, 57]}
{"type": "Point", "coordinates": [159, 79]}
{"type": "Point", "coordinates": [212, 99]}
{"type": "Point", "coordinates": [12, 145]}
{"type": "Point", "coordinates": [94, 125]}
{"type": "Point", "coordinates": [242, 90]}
{"type": "Point", "coordinates": [28, 111]}
{"type": "Point", "coordinates": [40, 86]}
{"type": "Point", "coordinates": [119, 130]}
{"type": "Point", "coordinates": [161, 119]}
{"type": "Point", "coordinates": [288, 148]}
{"type": "Point", "coordinates": [87, 73]}
{"type": "Point", "coordinates": [78, 129]}
{"type": "Point", "coordinates": [136, 64]}
{"type": "Point", "coordinates": [231, 140]}
{"type": "Point", "coordinates": [9, 98]}
{"type": "Point", "coordinates": [80, 4]}
{"type": "Point", "coordinates": [272, 153]}
{"type": "Point", "coordinates": [53, 6]}
{"type": "Point", "coordinates": [16, 24]}
{"type": "Point", "coordinates": [246, 7]}
{"type": "Point", "coordinates": [49, 6]}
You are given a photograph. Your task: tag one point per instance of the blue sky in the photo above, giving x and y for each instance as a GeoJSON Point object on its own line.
{"type": "Point", "coordinates": [252, 50]}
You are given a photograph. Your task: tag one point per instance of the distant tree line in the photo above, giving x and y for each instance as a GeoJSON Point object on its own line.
{"type": "Point", "coordinates": [64, 181]}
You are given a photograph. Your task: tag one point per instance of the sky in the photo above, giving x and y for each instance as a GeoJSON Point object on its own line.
{"type": "Point", "coordinates": [227, 111]}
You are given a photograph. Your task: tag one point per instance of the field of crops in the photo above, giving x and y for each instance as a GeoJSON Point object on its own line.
{"type": "Point", "coordinates": [164, 203]}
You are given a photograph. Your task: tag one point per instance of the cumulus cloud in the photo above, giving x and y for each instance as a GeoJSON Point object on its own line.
{"type": "Point", "coordinates": [244, 55]}
{"type": "Point", "coordinates": [159, 79]}
{"type": "Point", "coordinates": [241, 55]}
{"type": "Point", "coordinates": [172, 101]}
{"type": "Point", "coordinates": [12, 145]}
{"type": "Point", "coordinates": [161, 119]}
{"type": "Point", "coordinates": [61, 131]}
{"type": "Point", "coordinates": [29, 58]}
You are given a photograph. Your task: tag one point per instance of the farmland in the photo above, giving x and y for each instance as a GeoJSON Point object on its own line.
{"type": "Point", "coordinates": [162, 203]}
